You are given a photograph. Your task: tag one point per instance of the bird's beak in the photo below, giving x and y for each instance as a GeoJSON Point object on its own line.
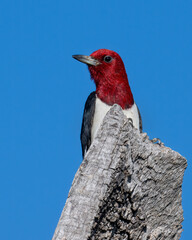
{"type": "Point", "coordinates": [87, 59]}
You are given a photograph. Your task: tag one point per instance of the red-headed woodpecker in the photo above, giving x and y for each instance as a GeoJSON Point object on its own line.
{"type": "Point", "coordinates": [112, 87]}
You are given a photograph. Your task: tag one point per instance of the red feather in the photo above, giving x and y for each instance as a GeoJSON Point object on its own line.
{"type": "Point", "coordinates": [111, 80]}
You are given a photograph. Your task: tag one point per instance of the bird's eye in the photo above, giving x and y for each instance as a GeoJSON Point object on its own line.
{"type": "Point", "coordinates": [108, 59]}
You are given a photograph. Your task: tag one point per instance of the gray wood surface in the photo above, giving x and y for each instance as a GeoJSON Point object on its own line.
{"type": "Point", "coordinates": [126, 188]}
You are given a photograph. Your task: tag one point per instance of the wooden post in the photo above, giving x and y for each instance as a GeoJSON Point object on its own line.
{"type": "Point", "coordinates": [126, 188]}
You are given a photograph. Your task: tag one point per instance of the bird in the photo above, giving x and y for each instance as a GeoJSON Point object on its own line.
{"type": "Point", "coordinates": [108, 72]}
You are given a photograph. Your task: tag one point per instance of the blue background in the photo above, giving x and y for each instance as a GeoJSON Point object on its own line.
{"type": "Point", "coordinates": [43, 91]}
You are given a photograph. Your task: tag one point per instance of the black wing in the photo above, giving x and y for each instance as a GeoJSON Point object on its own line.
{"type": "Point", "coordinates": [87, 122]}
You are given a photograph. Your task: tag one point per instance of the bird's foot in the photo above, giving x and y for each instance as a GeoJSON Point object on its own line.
{"type": "Point", "coordinates": [145, 136]}
{"type": "Point", "coordinates": [154, 140]}
{"type": "Point", "coordinates": [157, 141]}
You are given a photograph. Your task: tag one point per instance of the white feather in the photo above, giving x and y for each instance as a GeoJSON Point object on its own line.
{"type": "Point", "coordinates": [102, 108]}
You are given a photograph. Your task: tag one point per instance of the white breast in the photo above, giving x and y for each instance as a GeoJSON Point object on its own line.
{"type": "Point", "coordinates": [102, 108]}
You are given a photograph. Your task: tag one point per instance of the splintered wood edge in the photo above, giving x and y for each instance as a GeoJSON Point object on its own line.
{"type": "Point", "coordinates": [94, 176]}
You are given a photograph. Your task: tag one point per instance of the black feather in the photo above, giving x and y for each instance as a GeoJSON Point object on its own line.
{"type": "Point", "coordinates": [140, 121]}
{"type": "Point", "coordinates": [87, 122]}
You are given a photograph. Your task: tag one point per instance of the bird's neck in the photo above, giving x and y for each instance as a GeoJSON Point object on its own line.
{"type": "Point", "coordinates": [112, 86]}
{"type": "Point", "coordinates": [115, 93]}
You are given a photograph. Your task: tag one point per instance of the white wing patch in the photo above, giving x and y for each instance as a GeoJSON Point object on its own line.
{"type": "Point", "coordinates": [102, 108]}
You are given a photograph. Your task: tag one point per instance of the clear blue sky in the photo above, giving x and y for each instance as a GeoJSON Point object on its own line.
{"type": "Point", "coordinates": [43, 91]}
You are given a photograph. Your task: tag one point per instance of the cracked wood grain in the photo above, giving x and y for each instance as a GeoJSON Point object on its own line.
{"type": "Point", "coordinates": [126, 188]}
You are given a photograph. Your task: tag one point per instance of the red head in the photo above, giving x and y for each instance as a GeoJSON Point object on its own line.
{"type": "Point", "coordinates": [108, 72]}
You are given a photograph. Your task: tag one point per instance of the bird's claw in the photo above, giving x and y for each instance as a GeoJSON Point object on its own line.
{"type": "Point", "coordinates": [157, 141]}
{"type": "Point", "coordinates": [145, 136]}
{"type": "Point", "coordinates": [154, 140]}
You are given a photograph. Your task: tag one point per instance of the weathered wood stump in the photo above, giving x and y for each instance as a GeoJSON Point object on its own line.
{"type": "Point", "coordinates": [126, 188]}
